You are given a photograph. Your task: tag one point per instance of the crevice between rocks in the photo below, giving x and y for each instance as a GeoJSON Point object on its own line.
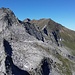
{"type": "Point", "coordinates": [45, 67]}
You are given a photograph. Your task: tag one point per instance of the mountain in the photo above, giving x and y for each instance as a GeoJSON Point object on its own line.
{"type": "Point", "coordinates": [67, 35]}
{"type": "Point", "coordinates": [35, 47]}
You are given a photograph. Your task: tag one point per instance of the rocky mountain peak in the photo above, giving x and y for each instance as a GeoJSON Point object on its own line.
{"type": "Point", "coordinates": [6, 12]}
{"type": "Point", "coordinates": [27, 20]}
{"type": "Point", "coordinates": [7, 15]}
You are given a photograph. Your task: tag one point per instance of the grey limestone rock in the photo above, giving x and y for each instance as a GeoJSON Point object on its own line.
{"type": "Point", "coordinates": [27, 50]}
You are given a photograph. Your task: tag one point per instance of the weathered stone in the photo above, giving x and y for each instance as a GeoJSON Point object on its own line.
{"type": "Point", "coordinates": [26, 49]}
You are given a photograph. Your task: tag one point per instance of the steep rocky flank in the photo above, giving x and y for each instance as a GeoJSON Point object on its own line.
{"type": "Point", "coordinates": [67, 36]}
{"type": "Point", "coordinates": [32, 47]}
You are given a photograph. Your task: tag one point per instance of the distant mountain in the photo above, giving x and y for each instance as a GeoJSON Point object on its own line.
{"type": "Point", "coordinates": [35, 47]}
{"type": "Point", "coordinates": [67, 35]}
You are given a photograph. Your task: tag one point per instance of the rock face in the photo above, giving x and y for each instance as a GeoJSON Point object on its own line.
{"type": "Point", "coordinates": [33, 47]}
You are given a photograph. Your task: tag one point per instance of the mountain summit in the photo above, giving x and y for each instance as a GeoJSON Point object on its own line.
{"type": "Point", "coordinates": [35, 47]}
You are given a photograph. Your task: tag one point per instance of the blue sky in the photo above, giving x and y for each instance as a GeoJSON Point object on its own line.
{"type": "Point", "coordinates": [61, 11]}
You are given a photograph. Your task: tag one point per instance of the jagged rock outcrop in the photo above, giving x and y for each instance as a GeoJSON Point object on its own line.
{"type": "Point", "coordinates": [26, 48]}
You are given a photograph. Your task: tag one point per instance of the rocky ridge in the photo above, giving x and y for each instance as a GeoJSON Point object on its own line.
{"type": "Point", "coordinates": [33, 47]}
